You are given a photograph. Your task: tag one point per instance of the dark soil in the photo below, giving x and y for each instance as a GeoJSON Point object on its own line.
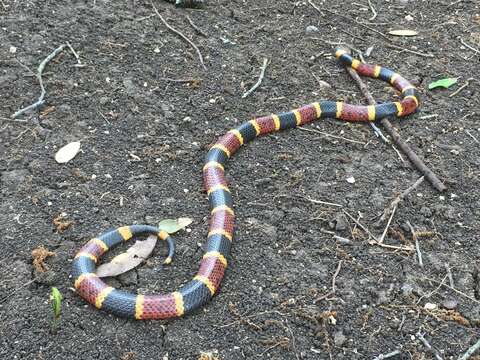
{"type": "Point", "coordinates": [143, 143]}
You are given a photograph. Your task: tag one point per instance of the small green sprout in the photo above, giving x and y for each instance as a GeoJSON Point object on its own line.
{"type": "Point", "coordinates": [56, 299]}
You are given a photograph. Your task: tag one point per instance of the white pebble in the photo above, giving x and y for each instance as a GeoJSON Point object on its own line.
{"type": "Point", "coordinates": [351, 180]}
{"type": "Point", "coordinates": [430, 306]}
{"type": "Point", "coordinates": [310, 29]}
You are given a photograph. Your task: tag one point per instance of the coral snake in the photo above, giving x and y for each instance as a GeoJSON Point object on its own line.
{"type": "Point", "coordinates": [206, 282]}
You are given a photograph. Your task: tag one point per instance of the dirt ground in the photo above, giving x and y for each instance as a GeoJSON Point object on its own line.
{"type": "Point", "coordinates": [143, 143]}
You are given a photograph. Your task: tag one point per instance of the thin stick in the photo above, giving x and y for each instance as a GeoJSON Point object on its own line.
{"type": "Point", "coordinates": [470, 351]}
{"type": "Point", "coordinates": [197, 29]}
{"type": "Point", "coordinates": [389, 355]}
{"type": "Point", "coordinates": [451, 288]}
{"type": "Point", "coordinates": [42, 65]}
{"type": "Point", "coordinates": [180, 80]}
{"type": "Point", "coordinates": [373, 11]}
{"type": "Point", "coordinates": [417, 245]}
{"type": "Point", "coordinates": [428, 346]}
{"type": "Point", "coordinates": [462, 87]}
{"type": "Point", "coordinates": [332, 136]}
{"type": "Point", "coordinates": [25, 67]}
{"type": "Point", "coordinates": [470, 47]}
{"type": "Point", "coordinates": [380, 241]}
{"type": "Point", "coordinates": [360, 225]}
{"type": "Point", "coordinates": [393, 247]}
{"type": "Point", "coordinates": [416, 161]}
{"type": "Point", "coordinates": [449, 275]}
{"type": "Point", "coordinates": [259, 81]}
{"type": "Point", "coordinates": [378, 132]}
{"type": "Point", "coordinates": [409, 51]}
{"type": "Point", "coordinates": [349, 18]}
{"type": "Point", "coordinates": [181, 35]}
{"type": "Point", "coordinates": [79, 62]}
{"type": "Point", "coordinates": [334, 279]}
{"type": "Point", "coordinates": [313, 201]}
{"type": "Point", "coordinates": [320, 202]}
{"type": "Point", "coordinates": [399, 198]}
{"type": "Point", "coordinates": [473, 137]}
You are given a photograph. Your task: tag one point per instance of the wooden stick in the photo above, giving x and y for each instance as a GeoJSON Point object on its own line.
{"type": "Point", "coordinates": [416, 161]}
{"type": "Point", "coordinates": [421, 337]}
{"type": "Point", "coordinates": [181, 35]}
{"type": "Point", "coordinates": [399, 198]}
{"type": "Point", "coordinates": [41, 67]}
{"type": "Point", "coordinates": [259, 81]}
{"type": "Point", "coordinates": [350, 19]}
{"type": "Point", "coordinates": [470, 351]}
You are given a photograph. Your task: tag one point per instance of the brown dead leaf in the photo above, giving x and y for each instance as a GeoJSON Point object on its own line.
{"type": "Point", "coordinates": [39, 255]}
{"type": "Point", "coordinates": [209, 355]}
{"type": "Point", "coordinates": [47, 111]}
{"type": "Point", "coordinates": [128, 260]}
{"type": "Point", "coordinates": [61, 223]}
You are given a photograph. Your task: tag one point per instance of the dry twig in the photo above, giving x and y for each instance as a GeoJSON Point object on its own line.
{"type": "Point", "coordinates": [79, 62]}
{"type": "Point", "coordinates": [181, 35]}
{"type": "Point", "coordinates": [469, 46]}
{"type": "Point", "coordinates": [350, 19]}
{"type": "Point", "coordinates": [332, 136]}
{"type": "Point", "coordinates": [421, 337]}
{"type": "Point", "coordinates": [417, 245]}
{"type": "Point", "coordinates": [399, 198]}
{"type": "Point", "coordinates": [374, 11]}
{"type": "Point", "coordinates": [334, 279]}
{"type": "Point", "coordinates": [470, 351]}
{"type": "Point", "coordinates": [259, 81]}
{"type": "Point", "coordinates": [387, 356]}
{"type": "Point", "coordinates": [197, 29]}
{"type": "Point", "coordinates": [467, 82]}
{"type": "Point", "coordinates": [410, 51]}
{"type": "Point", "coordinates": [380, 241]}
{"type": "Point", "coordinates": [41, 67]}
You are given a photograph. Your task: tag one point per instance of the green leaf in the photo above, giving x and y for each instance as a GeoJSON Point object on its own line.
{"type": "Point", "coordinates": [173, 225]}
{"type": "Point", "coordinates": [56, 299]}
{"type": "Point", "coordinates": [443, 83]}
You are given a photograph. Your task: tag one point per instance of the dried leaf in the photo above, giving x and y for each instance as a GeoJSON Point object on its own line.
{"type": "Point", "coordinates": [67, 153]}
{"type": "Point", "coordinates": [172, 226]}
{"type": "Point", "coordinates": [61, 223]}
{"type": "Point", "coordinates": [129, 259]}
{"type": "Point", "coordinates": [403, 32]}
{"type": "Point", "coordinates": [443, 83]}
{"type": "Point", "coordinates": [39, 255]}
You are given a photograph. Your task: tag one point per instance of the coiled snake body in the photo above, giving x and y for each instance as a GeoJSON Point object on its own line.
{"type": "Point", "coordinates": [204, 285]}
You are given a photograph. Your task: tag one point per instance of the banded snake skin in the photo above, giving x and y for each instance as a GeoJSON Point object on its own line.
{"type": "Point", "coordinates": [205, 284]}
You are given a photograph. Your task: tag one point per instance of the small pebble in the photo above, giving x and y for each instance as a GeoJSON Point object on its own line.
{"type": "Point", "coordinates": [311, 29]}
{"type": "Point", "coordinates": [450, 304]}
{"type": "Point", "coordinates": [339, 339]}
{"type": "Point", "coordinates": [351, 180]}
{"type": "Point", "coordinates": [430, 306]}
